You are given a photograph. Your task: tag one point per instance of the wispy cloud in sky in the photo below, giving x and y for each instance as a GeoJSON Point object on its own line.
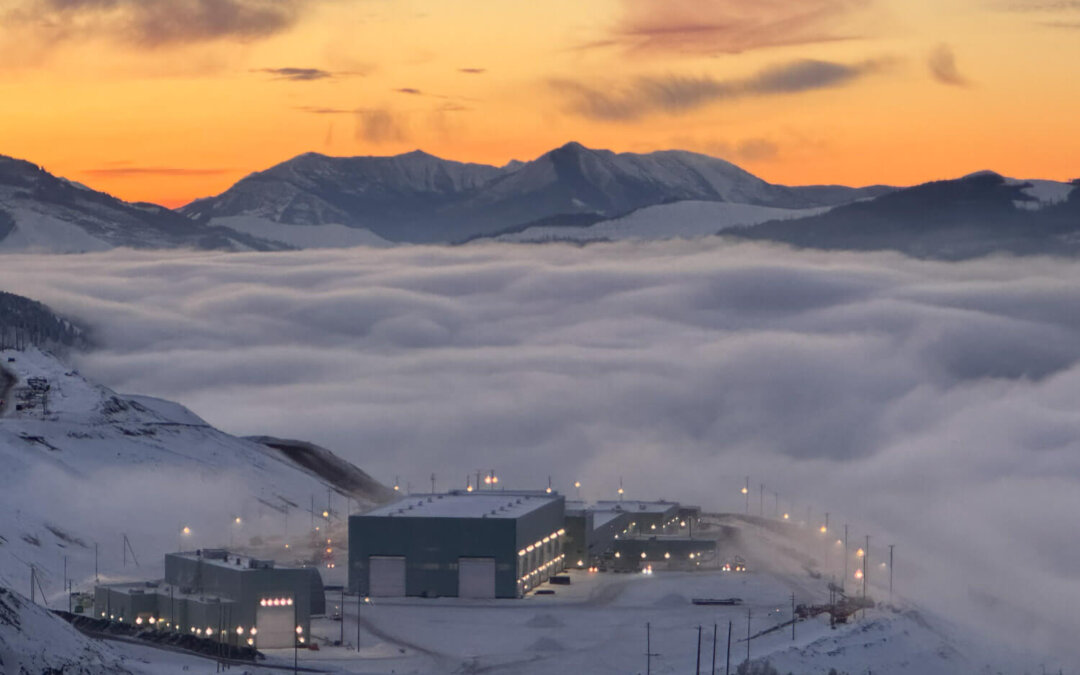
{"type": "Point", "coordinates": [674, 94]}
{"type": "Point", "coordinates": [942, 65]}
{"type": "Point", "coordinates": [297, 74]}
{"type": "Point", "coordinates": [156, 23]}
{"type": "Point", "coordinates": [730, 26]}
{"type": "Point", "coordinates": [380, 125]}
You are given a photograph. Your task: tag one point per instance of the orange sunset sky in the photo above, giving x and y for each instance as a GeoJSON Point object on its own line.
{"type": "Point", "coordinates": [169, 100]}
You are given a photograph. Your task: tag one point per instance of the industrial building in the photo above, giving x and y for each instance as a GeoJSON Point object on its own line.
{"type": "Point", "coordinates": [666, 551]}
{"type": "Point", "coordinates": [213, 593]}
{"type": "Point", "coordinates": [484, 544]}
{"type": "Point", "coordinates": [660, 517]}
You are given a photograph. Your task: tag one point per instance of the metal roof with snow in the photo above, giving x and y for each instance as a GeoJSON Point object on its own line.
{"type": "Point", "coordinates": [461, 504]}
{"type": "Point", "coordinates": [635, 506]}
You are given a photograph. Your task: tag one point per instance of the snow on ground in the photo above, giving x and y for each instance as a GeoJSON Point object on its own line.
{"type": "Point", "coordinates": [32, 640]}
{"type": "Point", "coordinates": [687, 219]}
{"type": "Point", "coordinates": [40, 233]}
{"type": "Point", "coordinates": [597, 624]}
{"type": "Point", "coordinates": [1043, 192]}
{"type": "Point", "coordinates": [303, 236]}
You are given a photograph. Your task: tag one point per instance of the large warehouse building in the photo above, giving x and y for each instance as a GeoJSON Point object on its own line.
{"type": "Point", "coordinates": [459, 544]}
{"type": "Point", "coordinates": [213, 593]}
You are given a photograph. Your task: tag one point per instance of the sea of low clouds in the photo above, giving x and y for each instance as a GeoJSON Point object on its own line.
{"type": "Point", "coordinates": [932, 405]}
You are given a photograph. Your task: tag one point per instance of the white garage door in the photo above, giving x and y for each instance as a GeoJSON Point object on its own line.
{"type": "Point", "coordinates": [276, 629]}
{"type": "Point", "coordinates": [386, 576]}
{"type": "Point", "coordinates": [476, 577]}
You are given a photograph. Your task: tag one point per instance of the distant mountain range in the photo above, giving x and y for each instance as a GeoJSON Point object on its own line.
{"type": "Point", "coordinates": [570, 193]}
{"type": "Point", "coordinates": [420, 198]}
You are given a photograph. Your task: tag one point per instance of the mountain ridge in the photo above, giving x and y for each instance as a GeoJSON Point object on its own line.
{"type": "Point", "coordinates": [426, 199]}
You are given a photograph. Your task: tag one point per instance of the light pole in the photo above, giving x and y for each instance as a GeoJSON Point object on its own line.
{"type": "Point", "coordinates": [577, 486]}
{"type": "Point", "coordinates": [866, 565]}
{"type": "Point", "coordinates": [746, 493]}
{"type": "Point", "coordinates": [825, 533]}
{"type": "Point", "coordinates": [890, 570]}
{"type": "Point", "coordinates": [843, 584]}
{"type": "Point", "coordinates": [620, 489]}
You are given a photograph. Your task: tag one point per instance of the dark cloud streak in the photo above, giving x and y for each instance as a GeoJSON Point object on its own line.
{"type": "Point", "coordinates": [676, 94]}
{"type": "Point", "coordinates": [297, 74]}
{"type": "Point", "coordinates": [158, 23]}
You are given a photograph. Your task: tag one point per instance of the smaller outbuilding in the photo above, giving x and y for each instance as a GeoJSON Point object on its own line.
{"type": "Point", "coordinates": [659, 517]}
{"type": "Point", "coordinates": [216, 594]}
{"type": "Point", "coordinates": [663, 551]}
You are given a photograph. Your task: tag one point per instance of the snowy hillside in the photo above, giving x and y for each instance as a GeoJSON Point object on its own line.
{"type": "Point", "coordinates": [329, 235]}
{"type": "Point", "coordinates": [977, 215]}
{"type": "Point", "coordinates": [33, 640]}
{"type": "Point", "coordinates": [684, 220]}
{"type": "Point", "coordinates": [41, 213]}
{"type": "Point", "coordinates": [84, 466]}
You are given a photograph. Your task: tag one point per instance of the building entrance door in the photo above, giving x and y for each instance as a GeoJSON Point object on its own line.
{"type": "Point", "coordinates": [476, 577]}
{"type": "Point", "coordinates": [386, 576]}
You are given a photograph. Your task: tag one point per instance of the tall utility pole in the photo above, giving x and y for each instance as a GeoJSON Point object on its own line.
{"type": "Point", "coordinates": [825, 532]}
{"type": "Point", "coordinates": [358, 601]}
{"type": "Point", "coordinates": [697, 667]}
{"type": "Point", "coordinates": [432, 483]}
{"type": "Point", "coordinates": [648, 649]}
{"type": "Point", "coordinates": [843, 583]}
{"type": "Point", "coordinates": [747, 638]}
{"type": "Point", "coordinates": [97, 579]}
{"type": "Point", "coordinates": [865, 565]}
{"type": "Point", "coordinates": [793, 617]}
{"type": "Point", "coordinates": [727, 664]}
{"type": "Point", "coordinates": [890, 570]}
{"type": "Point", "coordinates": [776, 504]}
{"type": "Point", "coordinates": [746, 491]}
{"type": "Point", "coordinates": [714, 629]}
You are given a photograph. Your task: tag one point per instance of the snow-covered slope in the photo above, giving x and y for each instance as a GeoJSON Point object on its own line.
{"type": "Point", "coordinates": [40, 212]}
{"type": "Point", "coordinates": [32, 641]}
{"type": "Point", "coordinates": [84, 466]}
{"type": "Point", "coordinates": [684, 220]}
{"type": "Point", "coordinates": [330, 235]}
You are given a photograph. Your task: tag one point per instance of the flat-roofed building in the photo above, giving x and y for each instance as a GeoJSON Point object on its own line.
{"type": "Point", "coordinates": [485, 544]}
{"type": "Point", "coordinates": [217, 594]}
{"type": "Point", "coordinates": [659, 517]}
